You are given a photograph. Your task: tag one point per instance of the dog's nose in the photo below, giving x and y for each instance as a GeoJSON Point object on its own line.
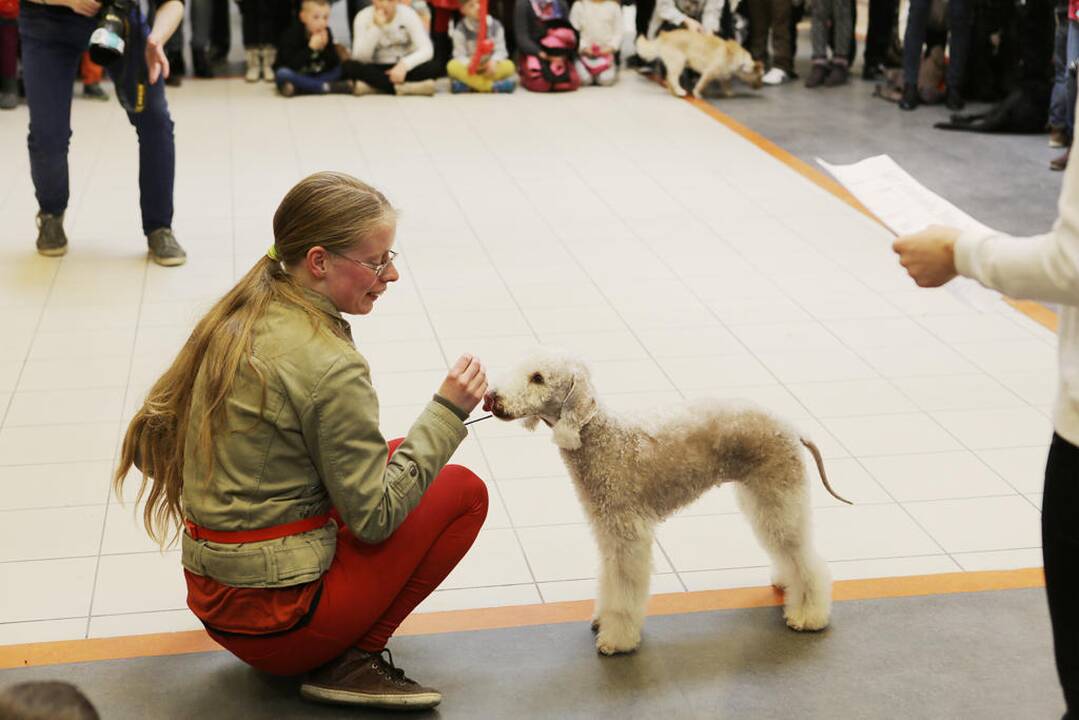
{"type": "Point", "coordinates": [488, 401]}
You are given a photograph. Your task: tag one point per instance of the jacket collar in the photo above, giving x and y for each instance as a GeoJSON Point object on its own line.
{"type": "Point", "coordinates": [324, 304]}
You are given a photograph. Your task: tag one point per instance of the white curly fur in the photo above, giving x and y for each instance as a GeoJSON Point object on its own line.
{"type": "Point", "coordinates": [631, 473]}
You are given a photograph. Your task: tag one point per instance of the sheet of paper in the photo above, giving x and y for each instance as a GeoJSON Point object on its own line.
{"type": "Point", "coordinates": [905, 206]}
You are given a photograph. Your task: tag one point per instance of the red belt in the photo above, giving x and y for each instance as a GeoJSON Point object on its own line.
{"type": "Point", "coordinates": [258, 535]}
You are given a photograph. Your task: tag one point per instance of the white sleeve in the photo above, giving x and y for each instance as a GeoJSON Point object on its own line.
{"type": "Point", "coordinates": [615, 28]}
{"type": "Point", "coordinates": [667, 12]}
{"type": "Point", "coordinates": [710, 15]}
{"type": "Point", "coordinates": [1043, 267]}
{"type": "Point", "coordinates": [575, 13]}
{"type": "Point", "coordinates": [422, 48]}
{"type": "Point", "coordinates": [365, 35]}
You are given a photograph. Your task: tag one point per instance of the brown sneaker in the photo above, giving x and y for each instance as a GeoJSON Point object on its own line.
{"type": "Point", "coordinates": [1060, 162]}
{"type": "Point", "coordinates": [369, 680]}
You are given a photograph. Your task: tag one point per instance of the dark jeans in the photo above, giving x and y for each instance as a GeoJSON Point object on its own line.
{"type": "Point", "coordinates": [878, 38]}
{"type": "Point", "coordinates": [1060, 551]}
{"type": "Point", "coordinates": [958, 40]}
{"type": "Point", "coordinates": [375, 75]}
{"type": "Point", "coordinates": [52, 43]}
{"type": "Point", "coordinates": [645, 8]}
{"type": "Point", "coordinates": [307, 84]}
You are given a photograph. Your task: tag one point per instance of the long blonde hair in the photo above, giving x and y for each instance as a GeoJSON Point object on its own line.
{"type": "Point", "coordinates": [328, 209]}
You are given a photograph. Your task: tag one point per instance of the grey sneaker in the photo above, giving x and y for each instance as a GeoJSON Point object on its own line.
{"type": "Point", "coordinates": [369, 680]}
{"type": "Point", "coordinates": [164, 250]}
{"type": "Point", "coordinates": [51, 239]}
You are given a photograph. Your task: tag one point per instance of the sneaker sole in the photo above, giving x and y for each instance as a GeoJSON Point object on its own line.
{"type": "Point", "coordinates": [52, 252]}
{"type": "Point", "coordinates": [420, 701]}
{"type": "Point", "coordinates": [168, 262]}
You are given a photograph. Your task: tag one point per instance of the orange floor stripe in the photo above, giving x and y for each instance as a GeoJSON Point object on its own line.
{"type": "Point", "coordinates": [72, 651]}
{"type": "Point", "coordinates": [1035, 311]}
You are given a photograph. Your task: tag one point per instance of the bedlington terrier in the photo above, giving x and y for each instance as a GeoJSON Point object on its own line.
{"type": "Point", "coordinates": [631, 473]}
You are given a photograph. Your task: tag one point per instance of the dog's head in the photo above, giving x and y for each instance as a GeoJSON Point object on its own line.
{"type": "Point", "coordinates": [548, 385]}
{"type": "Point", "coordinates": [749, 71]}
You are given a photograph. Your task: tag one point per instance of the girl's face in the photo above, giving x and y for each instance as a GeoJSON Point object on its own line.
{"type": "Point", "coordinates": [353, 287]}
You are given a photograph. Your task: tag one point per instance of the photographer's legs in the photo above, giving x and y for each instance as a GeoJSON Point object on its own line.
{"type": "Point", "coordinates": [50, 56]}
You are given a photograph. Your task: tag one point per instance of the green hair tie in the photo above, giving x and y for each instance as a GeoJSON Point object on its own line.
{"type": "Point", "coordinates": [272, 253]}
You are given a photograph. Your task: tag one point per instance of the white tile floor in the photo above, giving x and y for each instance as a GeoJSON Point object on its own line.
{"type": "Point", "coordinates": [679, 259]}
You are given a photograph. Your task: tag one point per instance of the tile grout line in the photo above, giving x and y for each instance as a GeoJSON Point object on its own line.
{"type": "Point", "coordinates": [438, 172]}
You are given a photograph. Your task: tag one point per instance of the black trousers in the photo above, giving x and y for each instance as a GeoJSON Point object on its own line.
{"type": "Point", "coordinates": [375, 75]}
{"type": "Point", "coordinates": [883, 15]}
{"type": "Point", "coordinates": [1060, 551]}
{"type": "Point", "coordinates": [645, 8]}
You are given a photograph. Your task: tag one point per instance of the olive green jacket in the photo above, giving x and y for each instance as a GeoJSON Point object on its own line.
{"type": "Point", "coordinates": [315, 444]}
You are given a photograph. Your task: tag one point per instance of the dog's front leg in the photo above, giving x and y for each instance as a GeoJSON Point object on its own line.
{"type": "Point", "coordinates": [623, 592]}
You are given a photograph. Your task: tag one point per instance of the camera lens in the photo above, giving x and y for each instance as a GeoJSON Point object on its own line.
{"type": "Point", "coordinates": [107, 40]}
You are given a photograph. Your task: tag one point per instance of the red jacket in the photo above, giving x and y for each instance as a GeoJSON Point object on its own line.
{"type": "Point", "coordinates": [1073, 10]}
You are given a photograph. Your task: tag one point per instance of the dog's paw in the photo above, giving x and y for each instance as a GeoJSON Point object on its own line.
{"type": "Point", "coordinates": [595, 625]}
{"type": "Point", "coordinates": [806, 618]}
{"type": "Point", "coordinates": [616, 637]}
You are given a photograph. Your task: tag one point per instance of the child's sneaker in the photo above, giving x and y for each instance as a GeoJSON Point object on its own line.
{"type": "Point", "coordinates": [286, 89]}
{"type": "Point", "coordinates": [340, 87]}
{"type": "Point", "coordinates": [775, 76]}
{"type": "Point", "coordinates": [457, 87]}
{"type": "Point", "coordinates": [418, 87]}
{"type": "Point", "coordinates": [504, 86]}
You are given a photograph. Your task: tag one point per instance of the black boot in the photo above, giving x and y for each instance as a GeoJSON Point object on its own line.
{"type": "Point", "coordinates": [817, 75]}
{"type": "Point", "coordinates": [201, 61]}
{"type": "Point", "coordinates": [910, 99]}
{"type": "Point", "coordinates": [954, 101]}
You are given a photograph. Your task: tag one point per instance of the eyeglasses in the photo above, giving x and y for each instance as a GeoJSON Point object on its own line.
{"type": "Point", "coordinates": [379, 269]}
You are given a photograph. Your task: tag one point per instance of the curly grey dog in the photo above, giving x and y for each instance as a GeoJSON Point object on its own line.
{"type": "Point", "coordinates": [631, 473]}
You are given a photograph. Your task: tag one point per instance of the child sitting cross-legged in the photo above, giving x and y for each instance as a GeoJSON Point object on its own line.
{"type": "Point", "coordinates": [391, 52]}
{"type": "Point", "coordinates": [496, 72]}
{"type": "Point", "coordinates": [600, 24]}
{"type": "Point", "coordinates": [307, 61]}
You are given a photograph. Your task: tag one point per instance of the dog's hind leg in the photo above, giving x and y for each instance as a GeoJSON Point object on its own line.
{"type": "Point", "coordinates": [778, 509]}
{"type": "Point", "coordinates": [623, 590]}
{"type": "Point", "coordinates": [674, 62]}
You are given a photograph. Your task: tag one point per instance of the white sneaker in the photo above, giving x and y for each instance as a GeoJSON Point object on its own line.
{"type": "Point", "coordinates": [775, 76]}
{"type": "Point", "coordinates": [253, 71]}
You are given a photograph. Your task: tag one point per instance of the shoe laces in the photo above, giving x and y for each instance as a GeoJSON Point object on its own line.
{"type": "Point", "coordinates": [391, 671]}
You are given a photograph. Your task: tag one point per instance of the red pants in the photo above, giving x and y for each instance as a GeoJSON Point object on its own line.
{"type": "Point", "coordinates": [370, 589]}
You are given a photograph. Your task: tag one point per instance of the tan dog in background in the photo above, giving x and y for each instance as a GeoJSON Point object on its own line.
{"type": "Point", "coordinates": [714, 58]}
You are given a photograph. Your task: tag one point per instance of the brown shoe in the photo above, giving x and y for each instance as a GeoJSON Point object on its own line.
{"type": "Point", "coordinates": [369, 680]}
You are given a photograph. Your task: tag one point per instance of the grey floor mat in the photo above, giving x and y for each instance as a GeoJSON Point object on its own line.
{"type": "Point", "coordinates": [981, 655]}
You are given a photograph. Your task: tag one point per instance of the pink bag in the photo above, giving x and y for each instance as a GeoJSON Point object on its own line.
{"type": "Point", "coordinates": [556, 74]}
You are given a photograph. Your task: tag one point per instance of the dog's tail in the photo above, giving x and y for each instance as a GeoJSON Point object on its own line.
{"type": "Point", "coordinates": [820, 467]}
{"type": "Point", "coordinates": [647, 49]}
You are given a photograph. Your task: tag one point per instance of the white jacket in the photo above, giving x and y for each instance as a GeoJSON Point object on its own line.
{"type": "Point", "coordinates": [1046, 268]}
{"type": "Point", "coordinates": [599, 23]}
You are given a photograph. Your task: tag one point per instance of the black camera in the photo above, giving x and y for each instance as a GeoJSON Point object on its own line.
{"type": "Point", "coordinates": [118, 44]}
{"type": "Point", "coordinates": [111, 37]}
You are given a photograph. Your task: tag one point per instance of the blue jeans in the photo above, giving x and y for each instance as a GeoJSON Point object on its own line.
{"type": "Point", "coordinates": [959, 27]}
{"type": "Point", "coordinates": [307, 84]}
{"type": "Point", "coordinates": [52, 42]}
{"type": "Point", "coordinates": [1073, 56]}
{"type": "Point", "coordinates": [1058, 101]}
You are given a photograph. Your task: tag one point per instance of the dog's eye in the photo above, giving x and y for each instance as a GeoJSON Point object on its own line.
{"type": "Point", "coordinates": [536, 379]}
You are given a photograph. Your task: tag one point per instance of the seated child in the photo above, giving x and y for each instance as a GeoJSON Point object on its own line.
{"type": "Point", "coordinates": [496, 72]}
{"type": "Point", "coordinates": [307, 61]}
{"type": "Point", "coordinates": [697, 15]}
{"type": "Point", "coordinates": [391, 52]}
{"type": "Point", "coordinates": [600, 24]}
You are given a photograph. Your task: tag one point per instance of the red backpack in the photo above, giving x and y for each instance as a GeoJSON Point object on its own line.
{"type": "Point", "coordinates": [556, 74]}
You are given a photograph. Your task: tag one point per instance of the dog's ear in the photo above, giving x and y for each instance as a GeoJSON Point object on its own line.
{"type": "Point", "coordinates": [530, 422]}
{"type": "Point", "coordinates": [576, 411]}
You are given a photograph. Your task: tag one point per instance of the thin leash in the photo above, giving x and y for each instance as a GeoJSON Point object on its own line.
{"type": "Point", "coordinates": [476, 420]}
